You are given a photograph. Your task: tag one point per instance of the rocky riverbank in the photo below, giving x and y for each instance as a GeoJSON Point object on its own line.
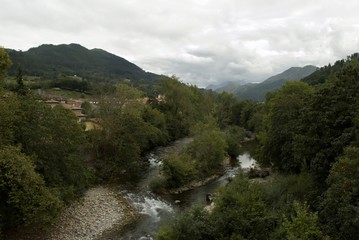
{"type": "Point", "coordinates": [100, 210]}
{"type": "Point", "coordinates": [192, 185]}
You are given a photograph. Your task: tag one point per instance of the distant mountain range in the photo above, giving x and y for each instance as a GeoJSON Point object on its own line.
{"type": "Point", "coordinates": [258, 91]}
{"type": "Point", "coordinates": [48, 61]}
{"type": "Point", "coordinates": [226, 86]}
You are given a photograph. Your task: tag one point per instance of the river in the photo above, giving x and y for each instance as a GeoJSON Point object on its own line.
{"type": "Point", "coordinates": [155, 209]}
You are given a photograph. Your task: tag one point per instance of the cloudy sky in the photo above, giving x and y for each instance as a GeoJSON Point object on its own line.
{"type": "Point", "coordinates": [200, 41]}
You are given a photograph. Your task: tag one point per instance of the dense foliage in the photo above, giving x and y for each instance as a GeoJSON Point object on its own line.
{"type": "Point", "coordinates": [245, 210]}
{"type": "Point", "coordinates": [200, 159]}
{"type": "Point", "coordinates": [308, 135]}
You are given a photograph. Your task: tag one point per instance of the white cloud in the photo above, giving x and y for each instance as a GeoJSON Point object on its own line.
{"type": "Point", "coordinates": [202, 41]}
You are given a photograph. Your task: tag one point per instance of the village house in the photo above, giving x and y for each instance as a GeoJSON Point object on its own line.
{"type": "Point", "coordinates": [75, 107]}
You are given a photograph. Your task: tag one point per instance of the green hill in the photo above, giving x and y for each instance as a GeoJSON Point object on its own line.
{"type": "Point", "coordinates": [258, 91]}
{"type": "Point", "coordinates": [49, 61]}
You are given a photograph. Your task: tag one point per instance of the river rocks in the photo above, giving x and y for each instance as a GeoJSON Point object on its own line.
{"type": "Point", "coordinates": [98, 211]}
{"type": "Point", "coordinates": [192, 185]}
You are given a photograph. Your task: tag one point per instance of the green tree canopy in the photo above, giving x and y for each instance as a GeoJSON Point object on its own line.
{"type": "Point", "coordinates": [24, 196]}
{"type": "Point", "coordinates": [340, 207]}
{"type": "Point", "coordinates": [55, 138]}
{"type": "Point", "coordinates": [281, 126]}
{"type": "Point", "coordinates": [328, 124]}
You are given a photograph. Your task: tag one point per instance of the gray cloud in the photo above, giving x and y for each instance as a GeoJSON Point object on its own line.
{"type": "Point", "coordinates": [200, 41]}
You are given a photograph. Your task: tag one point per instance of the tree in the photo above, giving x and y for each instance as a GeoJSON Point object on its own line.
{"type": "Point", "coordinates": [234, 136]}
{"type": "Point", "coordinates": [241, 213]}
{"type": "Point", "coordinates": [55, 139]}
{"type": "Point", "coordinates": [8, 115]}
{"type": "Point", "coordinates": [208, 147]}
{"type": "Point", "coordinates": [5, 64]}
{"type": "Point", "coordinates": [24, 195]}
{"type": "Point", "coordinates": [21, 89]}
{"type": "Point", "coordinates": [178, 169]}
{"type": "Point", "coordinates": [281, 126]}
{"type": "Point", "coordinates": [129, 127]}
{"type": "Point", "coordinates": [224, 111]}
{"type": "Point", "coordinates": [339, 213]}
{"type": "Point", "coordinates": [178, 106]}
{"type": "Point", "coordinates": [301, 224]}
{"type": "Point", "coordinates": [193, 224]}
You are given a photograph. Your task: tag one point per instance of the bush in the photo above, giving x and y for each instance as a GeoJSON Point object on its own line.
{"type": "Point", "coordinates": [178, 169]}
{"type": "Point", "coordinates": [191, 225]}
{"type": "Point", "coordinates": [158, 184]}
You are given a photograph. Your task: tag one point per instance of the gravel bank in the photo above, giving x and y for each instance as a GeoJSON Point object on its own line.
{"type": "Point", "coordinates": [100, 210]}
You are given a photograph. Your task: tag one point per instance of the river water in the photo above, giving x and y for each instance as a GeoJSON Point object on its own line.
{"type": "Point", "coordinates": [155, 209]}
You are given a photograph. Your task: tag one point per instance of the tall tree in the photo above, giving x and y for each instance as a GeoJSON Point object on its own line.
{"type": "Point", "coordinates": [225, 107]}
{"type": "Point", "coordinates": [21, 89]}
{"type": "Point", "coordinates": [8, 114]}
{"type": "Point", "coordinates": [177, 105]}
{"type": "Point", "coordinates": [5, 64]}
{"type": "Point", "coordinates": [281, 126]}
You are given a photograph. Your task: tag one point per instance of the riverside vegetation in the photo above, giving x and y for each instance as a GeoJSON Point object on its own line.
{"type": "Point", "coordinates": [307, 133]}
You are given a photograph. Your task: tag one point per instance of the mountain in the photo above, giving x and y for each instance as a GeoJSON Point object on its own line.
{"type": "Point", "coordinates": [225, 86]}
{"type": "Point", "coordinates": [48, 61]}
{"type": "Point", "coordinates": [258, 91]}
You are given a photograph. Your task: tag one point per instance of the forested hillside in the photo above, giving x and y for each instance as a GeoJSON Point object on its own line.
{"type": "Point", "coordinates": [258, 91]}
{"type": "Point", "coordinates": [49, 61]}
